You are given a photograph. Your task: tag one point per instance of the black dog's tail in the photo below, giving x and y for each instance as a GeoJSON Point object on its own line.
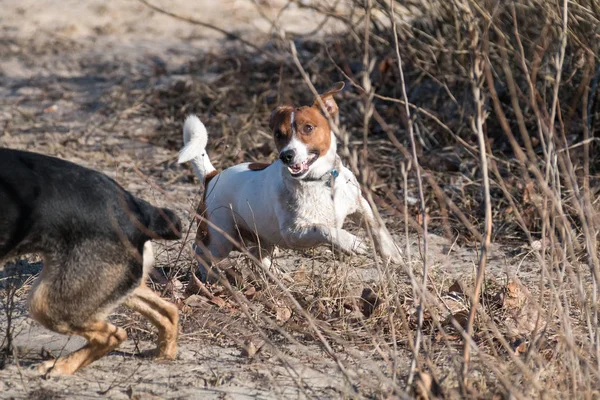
{"type": "Point", "coordinates": [165, 224]}
{"type": "Point", "coordinates": [142, 218]}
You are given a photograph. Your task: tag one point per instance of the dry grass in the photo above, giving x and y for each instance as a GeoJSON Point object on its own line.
{"type": "Point", "coordinates": [478, 122]}
{"type": "Point", "coordinates": [512, 81]}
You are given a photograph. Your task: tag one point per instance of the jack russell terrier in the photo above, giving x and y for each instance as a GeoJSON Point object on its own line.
{"type": "Point", "coordinates": [300, 201]}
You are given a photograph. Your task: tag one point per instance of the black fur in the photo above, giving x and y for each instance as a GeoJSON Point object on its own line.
{"type": "Point", "coordinates": [48, 203]}
{"type": "Point", "coordinates": [90, 231]}
{"type": "Point", "coordinates": [93, 236]}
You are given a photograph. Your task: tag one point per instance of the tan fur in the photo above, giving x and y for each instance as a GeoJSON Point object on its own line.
{"type": "Point", "coordinates": [162, 314]}
{"type": "Point", "coordinates": [320, 137]}
{"type": "Point", "coordinates": [317, 139]}
{"type": "Point", "coordinates": [38, 306]}
{"type": "Point", "coordinates": [280, 120]}
{"type": "Point", "coordinates": [328, 100]}
{"type": "Point", "coordinates": [310, 125]}
{"type": "Point", "coordinates": [102, 338]}
{"type": "Point", "coordinates": [47, 307]}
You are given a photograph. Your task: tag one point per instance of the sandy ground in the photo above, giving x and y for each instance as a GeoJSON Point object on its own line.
{"type": "Point", "coordinates": [64, 67]}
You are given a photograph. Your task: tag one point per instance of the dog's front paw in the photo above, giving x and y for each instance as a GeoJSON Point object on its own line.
{"type": "Point", "coordinates": [350, 244]}
{"type": "Point", "coordinates": [45, 367]}
{"type": "Point", "coordinates": [388, 249]}
{"type": "Point", "coordinates": [166, 352]}
{"type": "Point", "coordinates": [55, 368]}
{"type": "Point", "coordinates": [360, 247]}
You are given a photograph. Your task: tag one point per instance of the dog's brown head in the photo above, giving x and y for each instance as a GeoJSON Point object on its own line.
{"type": "Point", "coordinates": [303, 137]}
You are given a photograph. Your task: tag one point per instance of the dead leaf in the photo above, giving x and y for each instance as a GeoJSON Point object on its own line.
{"type": "Point", "coordinates": [456, 288]}
{"type": "Point", "coordinates": [181, 306]}
{"type": "Point", "coordinates": [195, 286]}
{"type": "Point", "coordinates": [439, 337]}
{"type": "Point", "coordinates": [516, 294]}
{"type": "Point", "coordinates": [530, 196]}
{"type": "Point", "coordinates": [301, 276]}
{"type": "Point", "coordinates": [457, 306]}
{"type": "Point", "coordinates": [521, 314]}
{"type": "Point", "coordinates": [462, 317]}
{"type": "Point", "coordinates": [283, 314]}
{"type": "Point", "coordinates": [520, 346]}
{"type": "Point", "coordinates": [250, 292]}
{"type": "Point", "coordinates": [420, 216]}
{"type": "Point", "coordinates": [219, 302]}
{"type": "Point", "coordinates": [174, 287]}
{"type": "Point", "coordinates": [195, 301]}
{"type": "Point", "coordinates": [536, 245]}
{"type": "Point", "coordinates": [386, 64]}
{"type": "Point", "coordinates": [251, 347]}
{"type": "Point", "coordinates": [380, 311]}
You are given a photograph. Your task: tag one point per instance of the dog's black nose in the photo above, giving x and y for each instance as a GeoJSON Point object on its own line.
{"type": "Point", "coordinates": [287, 156]}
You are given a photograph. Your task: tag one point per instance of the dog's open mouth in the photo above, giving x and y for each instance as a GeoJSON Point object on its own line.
{"type": "Point", "coordinates": [302, 168]}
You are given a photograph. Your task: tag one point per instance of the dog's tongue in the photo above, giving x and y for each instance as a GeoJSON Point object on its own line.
{"type": "Point", "coordinates": [297, 168]}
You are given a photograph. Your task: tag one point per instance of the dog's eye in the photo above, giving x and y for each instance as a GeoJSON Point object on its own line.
{"type": "Point", "coordinates": [278, 134]}
{"type": "Point", "coordinates": [308, 128]}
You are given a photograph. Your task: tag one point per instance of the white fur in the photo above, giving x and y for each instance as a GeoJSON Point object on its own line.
{"type": "Point", "coordinates": [285, 212]}
{"type": "Point", "coordinates": [300, 150]}
{"type": "Point", "coordinates": [195, 138]}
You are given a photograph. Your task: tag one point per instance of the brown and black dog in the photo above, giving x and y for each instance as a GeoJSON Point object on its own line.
{"type": "Point", "coordinates": [94, 238]}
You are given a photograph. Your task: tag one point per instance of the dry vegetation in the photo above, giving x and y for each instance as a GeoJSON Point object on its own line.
{"type": "Point", "coordinates": [497, 142]}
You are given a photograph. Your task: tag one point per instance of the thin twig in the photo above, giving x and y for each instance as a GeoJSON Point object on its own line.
{"type": "Point", "coordinates": [415, 160]}
{"type": "Point", "coordinates": [477, 63]}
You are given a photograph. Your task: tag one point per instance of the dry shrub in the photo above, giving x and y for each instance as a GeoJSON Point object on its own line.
{"type": "Point", "coordinates": [539, 79]}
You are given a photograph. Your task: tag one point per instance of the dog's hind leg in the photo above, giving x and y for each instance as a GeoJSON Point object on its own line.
{"type": "Point", "coordinates": [72, 297]}
{"type": "Point", "coordinates": [212, 243]}
{"type": "Point", "coordinates": [102, 338]}
{"type": "Point", "coordinates": [162, 314]}
{"type": "Point", "coordinates": [383, 240]}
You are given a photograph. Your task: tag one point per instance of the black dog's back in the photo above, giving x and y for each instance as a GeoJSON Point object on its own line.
{"type": "Point", "coordinates": [46, 203]}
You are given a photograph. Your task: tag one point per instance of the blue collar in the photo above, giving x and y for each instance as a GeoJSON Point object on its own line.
{"type": "Point", "coordinates": [330, 176]}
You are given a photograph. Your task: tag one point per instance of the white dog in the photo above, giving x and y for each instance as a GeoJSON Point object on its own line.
{"type": "Point", "coordinates": [298, 202]}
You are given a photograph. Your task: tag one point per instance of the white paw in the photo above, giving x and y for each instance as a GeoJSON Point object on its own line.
{"type": "Point", "coordinates": [360, 247]}
{"type": "Point", "coordinates": [389, 250]}
{"type": "Point", "coordinates": [349, 244]}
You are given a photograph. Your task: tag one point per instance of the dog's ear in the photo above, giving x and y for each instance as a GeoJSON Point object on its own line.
{"type": "Point", "coordinates": [277, 115]}
{"type": "Point", "coordinates": [328, 101]}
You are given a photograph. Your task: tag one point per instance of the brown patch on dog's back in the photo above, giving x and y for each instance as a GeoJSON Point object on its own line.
{"type": "Point", "coordinates": [257, 166]}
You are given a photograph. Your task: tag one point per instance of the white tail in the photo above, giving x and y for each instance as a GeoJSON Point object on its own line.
{"type": "Point", "coordinates": [195, 138]}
